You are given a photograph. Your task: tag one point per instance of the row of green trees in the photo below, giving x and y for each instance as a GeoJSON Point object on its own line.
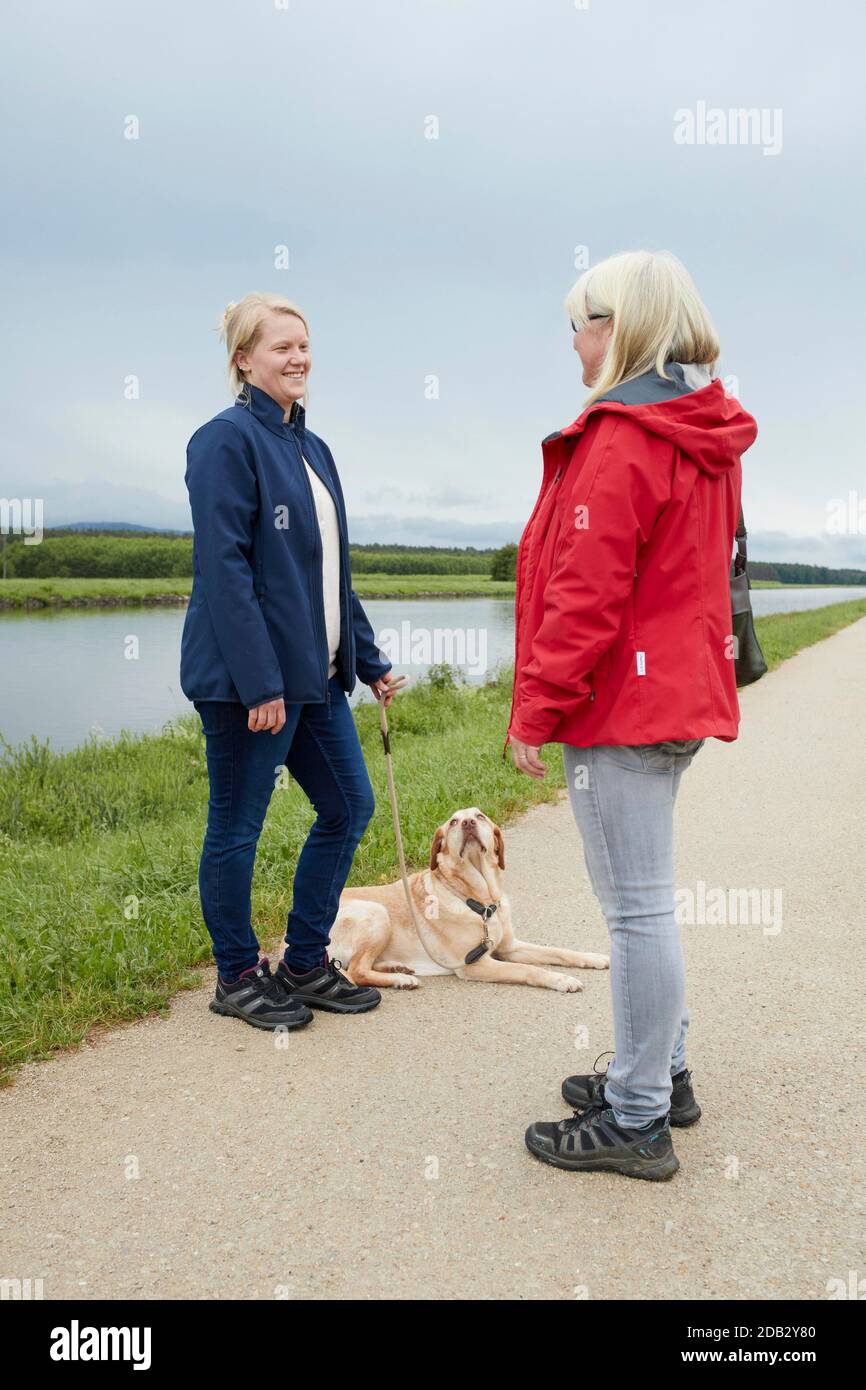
{"type": "Point", "coordinates": [145, 555]}
{"type": "Point", "coordinates": [505, 560]}
{"type": "Point", "coordinates": [790, 573]}
{"type": "Point", "coordinates": [101, 557]}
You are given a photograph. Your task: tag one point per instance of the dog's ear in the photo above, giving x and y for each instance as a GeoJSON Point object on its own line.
{"type": "Point", "coordinates": [436, 847]}
{"type": "Point", "coordinates": [499, 845]}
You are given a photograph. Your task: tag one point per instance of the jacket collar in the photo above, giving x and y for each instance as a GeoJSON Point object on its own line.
{"type": "Point", "coordinates": [269, 411]}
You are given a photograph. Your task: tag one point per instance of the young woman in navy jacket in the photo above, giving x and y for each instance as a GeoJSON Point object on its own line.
{"type": "Point", "coordinates": [273, 640]}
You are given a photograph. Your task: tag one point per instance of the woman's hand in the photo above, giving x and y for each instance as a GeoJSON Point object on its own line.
{"type": "Point", "coordinates": [380, 688]}
{"type": "Point", "coordinates": [271, 715]}
{"type": "Point", "coordinates": [526, 759]}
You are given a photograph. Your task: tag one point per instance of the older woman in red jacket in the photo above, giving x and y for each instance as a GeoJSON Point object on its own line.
{"type": "Point", "coordinates": [625, 656]}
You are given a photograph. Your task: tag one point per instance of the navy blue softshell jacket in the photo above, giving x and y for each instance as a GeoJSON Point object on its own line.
{"type": "Point", "coordinates": [255, 626]}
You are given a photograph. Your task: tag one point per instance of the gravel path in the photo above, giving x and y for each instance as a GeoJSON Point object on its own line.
{"type": "Point", "coordinates": [382, 1156]}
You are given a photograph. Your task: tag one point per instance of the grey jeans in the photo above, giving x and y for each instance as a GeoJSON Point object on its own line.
{"type": "Point", "coordinates": [623, 801]}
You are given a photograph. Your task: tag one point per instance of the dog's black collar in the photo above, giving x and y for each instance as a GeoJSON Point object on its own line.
{"type": "Point", "coordinates": [485, 912]}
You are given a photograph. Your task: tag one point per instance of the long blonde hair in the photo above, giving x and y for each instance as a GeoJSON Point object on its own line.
{"type": "Point", "coordinates": [241, 328]}
{"type": "Point", "coordinates": [658, 316]}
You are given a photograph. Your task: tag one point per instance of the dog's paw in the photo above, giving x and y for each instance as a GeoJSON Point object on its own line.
{"type": "Point", "coordinates": [568, 984]}
{"type": "Point", "coordinates": [394, 967]}
{"type": "Point", "coordinates": [406, 982]}
{"type": "Point", "coordinates": [591, 962]}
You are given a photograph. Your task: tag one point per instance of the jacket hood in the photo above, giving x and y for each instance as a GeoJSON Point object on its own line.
{"type": "Point", "coordinates": [690, 410]}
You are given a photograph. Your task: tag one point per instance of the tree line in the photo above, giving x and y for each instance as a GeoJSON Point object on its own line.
{"type": "Point", "coordinates": [76, 554]}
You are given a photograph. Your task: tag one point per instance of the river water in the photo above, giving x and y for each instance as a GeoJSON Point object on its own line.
{"type": "Point", "coordinates": [67, 673]}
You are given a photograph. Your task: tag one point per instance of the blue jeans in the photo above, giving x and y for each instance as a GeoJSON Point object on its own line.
{"type": "Point", "coordinates": [623, 801]}
{"type": "Point", "coordinates": [320, 747]}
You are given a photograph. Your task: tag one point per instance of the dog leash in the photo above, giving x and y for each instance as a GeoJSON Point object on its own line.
{"type": "Point", "coordinates": [485, 912]}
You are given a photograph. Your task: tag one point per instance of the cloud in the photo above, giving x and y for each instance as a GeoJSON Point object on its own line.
{"type": "Point", "coordinates": [444, 497]}
{"type": "Point", "coordinates": [839, 552]}
{"type": "Point", "coordinates": [390, 529]}
{"type": "Point", "coordinates": [97, 499]}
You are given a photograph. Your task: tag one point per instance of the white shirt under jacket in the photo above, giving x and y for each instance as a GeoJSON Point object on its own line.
{"type": "Point", "coordinates": [330, 531]}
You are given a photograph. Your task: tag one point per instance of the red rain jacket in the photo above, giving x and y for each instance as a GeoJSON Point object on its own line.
{"type": "Point", "coordinates": [622, 607]}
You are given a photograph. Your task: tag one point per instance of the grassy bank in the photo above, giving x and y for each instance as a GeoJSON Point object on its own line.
{"type": "Point", "coordinates": [86, 593]}
{"type": "Point", "coordinates": [27, 594]}
{"type": "Point", "coordinates": [99, 914]}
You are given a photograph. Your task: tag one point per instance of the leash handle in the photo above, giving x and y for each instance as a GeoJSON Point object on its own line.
{"type": "Point", "coordinates": [396, 684]}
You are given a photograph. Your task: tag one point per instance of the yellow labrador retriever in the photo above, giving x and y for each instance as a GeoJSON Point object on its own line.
{"type": "Point", "coordinates": [460, 906]}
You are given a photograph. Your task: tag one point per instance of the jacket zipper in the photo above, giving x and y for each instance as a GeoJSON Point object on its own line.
{"type": "Point", "coordinates": [318, 544]}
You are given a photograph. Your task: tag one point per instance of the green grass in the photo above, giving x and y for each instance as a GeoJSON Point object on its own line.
{"type": "Point", "coordinates": [99, 914]}
{"type": "Point", "coordinates": [41, 593]}
{"type": "Point", "coordinates": [783, 634]}
{"type": "Point", "coordinates": [422, 585]}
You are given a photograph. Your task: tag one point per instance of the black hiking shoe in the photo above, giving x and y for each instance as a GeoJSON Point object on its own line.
{"type": "Point", "coordinates": [258, 998]}
{"type": "Point", "coordinates": [325, 988]}
{"type": "Point", "coordinates": [593, 1141]}
{"type": "Point", "coordinates": [582, 1091]}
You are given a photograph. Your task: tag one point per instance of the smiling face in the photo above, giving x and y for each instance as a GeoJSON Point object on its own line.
{"type": "Point", "coordinates": [468, 834]}
{"type": "Point", "coordinates": [280, 361]}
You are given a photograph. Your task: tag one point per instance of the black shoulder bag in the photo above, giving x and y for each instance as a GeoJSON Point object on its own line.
{"type": "Point", "coordinates": [749, 662]}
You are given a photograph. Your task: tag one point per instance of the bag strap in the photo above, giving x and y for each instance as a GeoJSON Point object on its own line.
{"type": "Point", "coordinates": [740, 558]}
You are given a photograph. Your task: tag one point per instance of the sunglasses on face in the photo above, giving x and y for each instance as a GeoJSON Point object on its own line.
{"type": "Point", "coordinates": [576, 327]}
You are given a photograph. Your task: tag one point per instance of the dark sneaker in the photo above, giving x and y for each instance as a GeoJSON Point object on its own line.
{"type": "Point", "coordinates": [258, 998]}
{"type": "Point", "coordinates": [593, 1141]}
{"type": "Point", "coordinates": [325, 988]}
{"type": "Point", "coordinates": [582, 1091]}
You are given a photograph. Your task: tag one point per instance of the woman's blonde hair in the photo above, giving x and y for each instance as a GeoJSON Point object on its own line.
{"type": "Point", "coordinates": [658, 316]}
{"type": "Point", "coordinates": [241, 329]}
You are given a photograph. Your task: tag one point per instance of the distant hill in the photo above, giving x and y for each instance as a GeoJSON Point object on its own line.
{"type": "Point", "coordinates": [117, 526]}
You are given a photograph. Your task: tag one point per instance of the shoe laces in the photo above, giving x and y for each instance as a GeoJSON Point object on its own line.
{"type": "Point", "coordinates": [583, 1119]}
{"type": "Point", "coordinates": [600, 1077]}
{"type": "Point", "coordinates": [595, 1068]}
{"type": "Point", "coordinates": [268, 984]}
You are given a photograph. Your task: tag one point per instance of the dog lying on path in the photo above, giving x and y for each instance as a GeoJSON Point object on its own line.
{"type": "Point", "coordinates": [375, 939]}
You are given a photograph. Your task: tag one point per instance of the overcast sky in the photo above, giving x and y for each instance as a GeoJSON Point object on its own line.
{"type": "Point", "coordinates": [306, 126]}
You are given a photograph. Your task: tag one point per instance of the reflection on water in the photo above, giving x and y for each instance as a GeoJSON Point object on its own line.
{"type": "Point", "coordinates": [65, 671]}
